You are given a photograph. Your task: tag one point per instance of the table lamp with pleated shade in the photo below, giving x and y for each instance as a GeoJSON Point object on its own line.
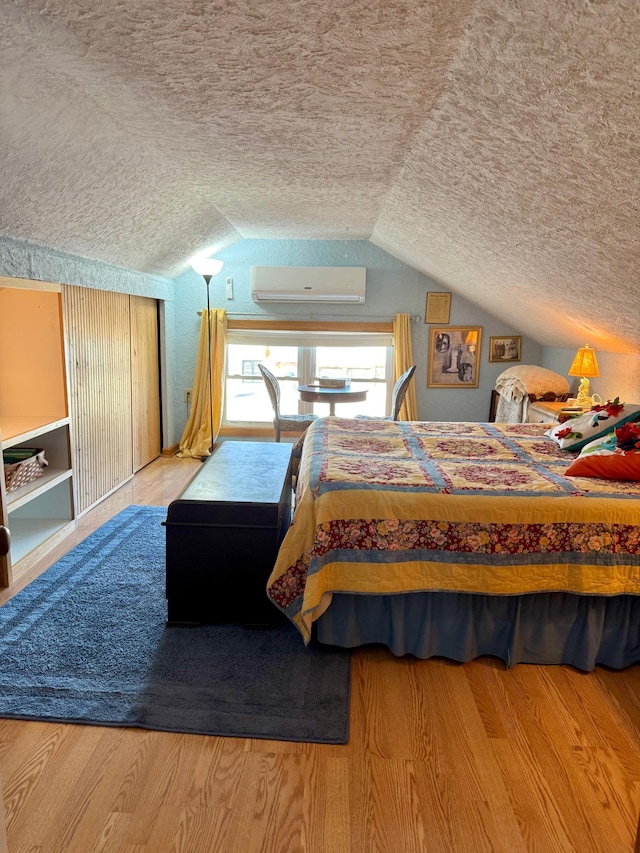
{"type": "Point", "coordinates": [585, 365]}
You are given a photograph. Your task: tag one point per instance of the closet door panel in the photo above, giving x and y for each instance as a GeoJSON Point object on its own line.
{"type": "Point", "coordinates": [145, 381]}
{"type": "Point", "coordinates": [97, 328]}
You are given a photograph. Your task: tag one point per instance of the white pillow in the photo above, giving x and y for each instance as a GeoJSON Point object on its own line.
{"type": "Point", "coordinates": [516, 382]}
{"type": "Point", "coordinates": [576, 432]}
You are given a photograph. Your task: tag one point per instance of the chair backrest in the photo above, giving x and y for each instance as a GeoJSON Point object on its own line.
{"type": "Point", "coordinates": [400, 390]}
{"type": "Point", "coordinates": [273, 388]}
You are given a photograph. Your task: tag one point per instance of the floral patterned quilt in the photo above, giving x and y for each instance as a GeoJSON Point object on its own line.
{"type": "Point", "coordinates": [387, 507]}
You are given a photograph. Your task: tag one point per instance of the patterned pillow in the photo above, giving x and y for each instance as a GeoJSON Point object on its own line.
{"type": "Point", "coordinates": [599, 420]}
{"type": "Point", "coordinates": [605, 457]}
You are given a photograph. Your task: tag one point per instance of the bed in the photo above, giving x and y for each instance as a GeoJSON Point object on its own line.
{"type": "Point", "coordinates": [460, 540]}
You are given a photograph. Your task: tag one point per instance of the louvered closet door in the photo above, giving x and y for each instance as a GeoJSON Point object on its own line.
{"type": "Point", "coordinates": [98, 332]}
{"type": "Point", "coordinates": [145, 381]}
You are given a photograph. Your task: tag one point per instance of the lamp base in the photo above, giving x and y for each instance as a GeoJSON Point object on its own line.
{"type": "Point", "coordinates": [583, 398]}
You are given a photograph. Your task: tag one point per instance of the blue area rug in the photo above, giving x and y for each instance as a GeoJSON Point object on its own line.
{"type": "Point", "coordinates": [86, 642]}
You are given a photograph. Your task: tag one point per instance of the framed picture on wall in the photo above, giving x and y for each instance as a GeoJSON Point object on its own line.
{"type": "Point", "coordinates": [438, 308]}
{"type": "Point", "coordinates": [507, 348]}
{"type": "Point", "coordinates": [454, 356]}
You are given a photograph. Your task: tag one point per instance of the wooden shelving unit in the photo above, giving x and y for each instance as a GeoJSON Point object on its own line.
{"type": "Point", "coordinates": [33, 413]}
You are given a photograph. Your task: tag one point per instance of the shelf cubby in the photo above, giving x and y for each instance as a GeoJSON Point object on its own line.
{"type": "Point", "coordinates": [33, 413]}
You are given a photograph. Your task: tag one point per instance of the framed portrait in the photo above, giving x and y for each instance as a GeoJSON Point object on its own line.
{"type": "Point", "coordinates": [507, 348]}
{"type": "Point", "coordinates": [454, 356]}
{"type": "Point", "coordinates": [438, 308]}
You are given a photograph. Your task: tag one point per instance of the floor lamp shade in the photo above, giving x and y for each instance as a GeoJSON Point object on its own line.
{"type": "Point", "coordinates": [207, 266]}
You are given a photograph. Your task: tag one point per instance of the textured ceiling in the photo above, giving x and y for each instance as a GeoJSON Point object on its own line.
{"type": "Point", "coordinates": [492, 144]}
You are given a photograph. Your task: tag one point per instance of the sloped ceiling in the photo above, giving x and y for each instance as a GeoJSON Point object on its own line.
{"type": "Point", "coordinates": [492, 144]}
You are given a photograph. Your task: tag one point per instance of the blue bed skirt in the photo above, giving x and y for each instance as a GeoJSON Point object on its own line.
{"type": "Point", "coordinates": [540, 628]}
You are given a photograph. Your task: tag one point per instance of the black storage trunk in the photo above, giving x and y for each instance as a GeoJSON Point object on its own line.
{"type": "Point", "coordinates": [223, 535]}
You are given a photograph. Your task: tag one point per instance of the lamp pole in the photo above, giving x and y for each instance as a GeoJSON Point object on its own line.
{"type": "Point", "coordinates": [207, 268]}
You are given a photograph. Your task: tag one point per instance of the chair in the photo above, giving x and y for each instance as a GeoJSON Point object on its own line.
{"type": "Point", "coordinates": [400, 391]}
{"type": "Point", "coordinates": [397, 398]}
{"type": "Point", "coordinates": [283, 423]}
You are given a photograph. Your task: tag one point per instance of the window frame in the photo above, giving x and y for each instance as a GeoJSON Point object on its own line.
{"type": "Point", "coordinates": [306, 359]}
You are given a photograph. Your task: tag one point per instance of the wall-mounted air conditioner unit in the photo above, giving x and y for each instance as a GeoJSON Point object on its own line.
{"type": "Point", "coordinates": [308, 284]}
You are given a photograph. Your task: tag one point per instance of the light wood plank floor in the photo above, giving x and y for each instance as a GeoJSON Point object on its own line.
{"type": "Point", "coordinates": [441, 757]}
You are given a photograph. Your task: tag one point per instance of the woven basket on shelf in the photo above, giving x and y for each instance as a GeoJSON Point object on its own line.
{"type": "Point", "coordinates": [23, 465]}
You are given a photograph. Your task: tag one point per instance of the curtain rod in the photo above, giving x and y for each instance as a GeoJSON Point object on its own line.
{"type": "Point", "coordinates": [415, 318]}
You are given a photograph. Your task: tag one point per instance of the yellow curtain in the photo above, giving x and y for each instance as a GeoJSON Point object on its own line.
{"type": "Point", "coordinates": [196, 438]}
{"type": "Point", "coordinates": [402, 360]}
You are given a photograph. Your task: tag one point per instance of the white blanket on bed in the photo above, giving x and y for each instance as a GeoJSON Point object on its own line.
{"type": "Point", "coordinates": [516, 382]}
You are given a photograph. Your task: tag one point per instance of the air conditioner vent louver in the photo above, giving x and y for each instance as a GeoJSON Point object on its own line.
{"type": "Point", "coordinates": [308, 284]}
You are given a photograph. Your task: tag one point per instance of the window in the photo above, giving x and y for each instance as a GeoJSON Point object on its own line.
{"type": "Point", "coordinates": [301, 354]}
{"type": "Point", "coordinates": [250, 367]}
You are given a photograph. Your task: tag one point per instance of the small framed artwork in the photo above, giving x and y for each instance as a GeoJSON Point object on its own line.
{"type": "Point", "coordinates": [454, 356]}
{"type": "Point", "coordinates": [438, 308]}
{"type": "Point", "coordinates": [507, 348]}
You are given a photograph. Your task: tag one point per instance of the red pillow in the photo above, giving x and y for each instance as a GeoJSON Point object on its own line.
{"type": "Point", "coordinates": [604, 459]}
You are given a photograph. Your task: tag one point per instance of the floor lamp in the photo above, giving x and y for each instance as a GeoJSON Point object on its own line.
{"type": "Point", "coordinates": [207, 268]}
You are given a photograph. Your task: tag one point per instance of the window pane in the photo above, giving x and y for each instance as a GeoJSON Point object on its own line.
{"type": "Point", "coordinates": [247, 400]}
{"type": "Point", "coordinates": [281, 361]}
{"type": "Point", "coordinates": [357, 364]}
{"type": "Point", "coordinates": [351, 362]}
{"type": "Point", "coordinates": [246, 396]}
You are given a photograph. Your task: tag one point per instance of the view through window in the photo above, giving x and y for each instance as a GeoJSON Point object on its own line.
{"type": "Point", "coordinates": [367, 367]}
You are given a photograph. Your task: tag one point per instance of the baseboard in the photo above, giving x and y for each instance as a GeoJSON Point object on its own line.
{"type": "Point", "coordinates": [170, 451]}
